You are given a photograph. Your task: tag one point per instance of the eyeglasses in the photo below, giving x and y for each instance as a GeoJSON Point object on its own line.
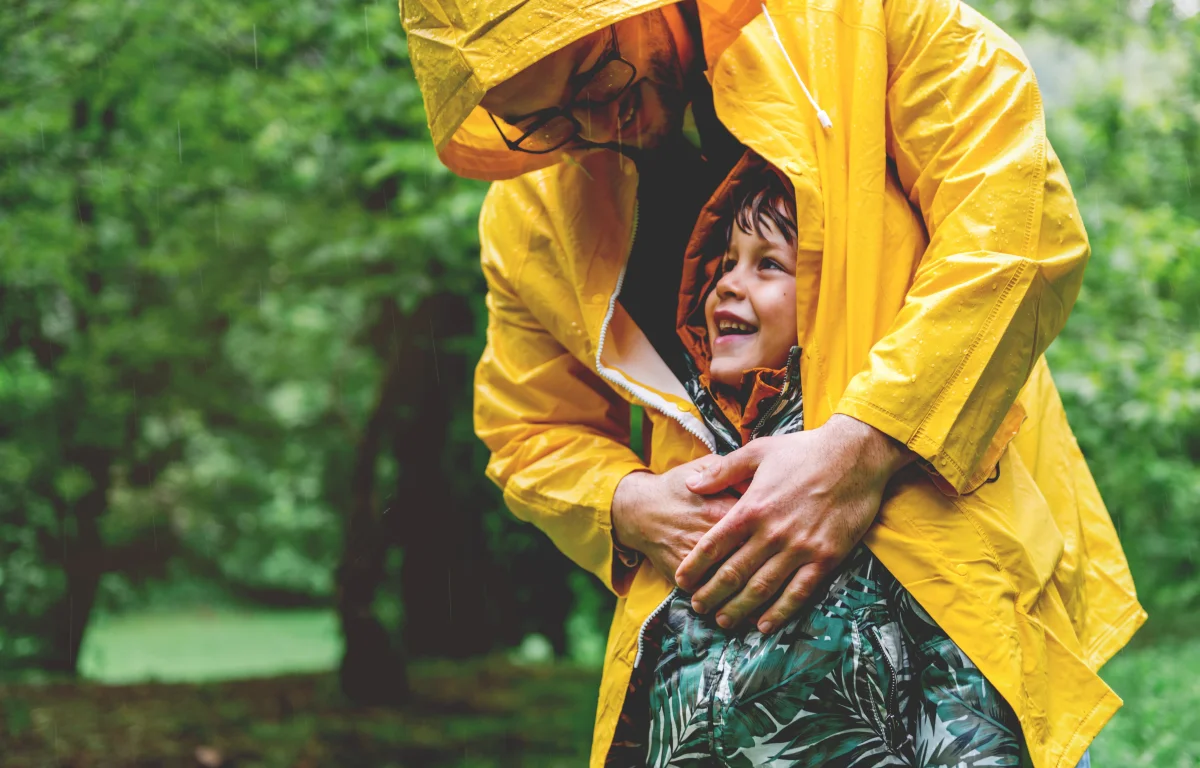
{"type": "Point", "coordinates": [554, 127]}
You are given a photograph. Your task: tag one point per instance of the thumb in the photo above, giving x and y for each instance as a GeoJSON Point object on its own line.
{"type": "Point", "coordinates": [725, 472]}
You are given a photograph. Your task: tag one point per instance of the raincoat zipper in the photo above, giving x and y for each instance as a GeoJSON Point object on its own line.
{"type": "Point", "coordinates": [641, 643]}
{"type": "Point", "coordinates": [616, 380]}
{"type": "Point", "coordinates": [647, 398]}
{"type": "Point", "coordinates": [890, 707]}
{"type": "Point", "coordinates": [780, 399]}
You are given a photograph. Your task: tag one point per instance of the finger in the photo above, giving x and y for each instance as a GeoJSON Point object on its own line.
{"type": "Point", "coordinates": [802, 586]}
{"type": "Point", "coordinates": [726, 471]}
{"type": "Point", "coordinates": [711, 549]}
{"type": "Point", "coordinates": [763, 585]}
{"type": "Point", "coordinates": [732, 576]}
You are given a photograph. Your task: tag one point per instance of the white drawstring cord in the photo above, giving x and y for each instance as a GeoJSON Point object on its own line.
{"type": "Point", "coordinates": [822, 116]}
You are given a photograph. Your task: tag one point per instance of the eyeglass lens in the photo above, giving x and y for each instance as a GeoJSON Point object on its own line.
{"type": "Point", "coordinates": [605, 87]}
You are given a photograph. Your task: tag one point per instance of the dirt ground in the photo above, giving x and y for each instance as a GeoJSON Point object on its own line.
{"type": "Point", "coordinates": [477, 713]}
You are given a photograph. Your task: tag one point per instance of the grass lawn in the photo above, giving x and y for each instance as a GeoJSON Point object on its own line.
{"type": "Point", "coordinates": [485, 712]}
{"type": "Point", "coordinates": [204, 645]}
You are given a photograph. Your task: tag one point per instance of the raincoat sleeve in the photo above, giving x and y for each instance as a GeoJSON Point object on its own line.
{"type": "Point", "coordinates": [1006, 249]}
{"type": "Point", "coordinates": [558, 435]}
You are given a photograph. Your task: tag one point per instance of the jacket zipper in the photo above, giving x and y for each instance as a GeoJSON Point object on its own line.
{"type": "Point", "coordinates": [641, 643]}
{"type": "Point", "coordinates": [649, 399]}
{"type": "Point", "coordinates": [780, 399]}
{"type": "Point", "coordinates": [890, 705]}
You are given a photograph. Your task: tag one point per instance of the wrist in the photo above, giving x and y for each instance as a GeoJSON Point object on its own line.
{"type": "Point", "coordinates": [625, 531]}
{"type": "Point", "coordinates": [883, 453]}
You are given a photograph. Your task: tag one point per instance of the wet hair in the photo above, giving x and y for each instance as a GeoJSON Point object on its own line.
{"type": "Point", "coordinates": [762, 199]}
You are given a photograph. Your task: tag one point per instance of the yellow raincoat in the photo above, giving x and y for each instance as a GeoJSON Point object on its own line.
{"type": "Point", "coordinates": [951, 253]}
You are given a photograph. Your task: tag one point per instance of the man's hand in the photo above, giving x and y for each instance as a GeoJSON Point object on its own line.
{"type": "Point", "coordinates": [658, 516]}
{"type": "Point", "coordinates": [812, 498]}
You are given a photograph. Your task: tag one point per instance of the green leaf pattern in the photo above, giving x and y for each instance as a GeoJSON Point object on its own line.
{"type": "Point", "coordinates": [864, 678]}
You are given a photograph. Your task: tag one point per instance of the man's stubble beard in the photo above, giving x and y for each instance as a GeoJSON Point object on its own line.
{"type": "Point", "coordinates": [668, 81]}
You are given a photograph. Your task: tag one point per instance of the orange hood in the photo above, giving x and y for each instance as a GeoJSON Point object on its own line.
{"type": "Point", "coordinates": [740, 405]}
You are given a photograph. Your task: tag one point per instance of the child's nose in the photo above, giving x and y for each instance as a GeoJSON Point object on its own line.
{"type": "Point", "coordinates": [729, 284]}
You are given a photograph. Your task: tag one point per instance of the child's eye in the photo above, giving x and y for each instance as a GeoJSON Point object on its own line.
{"type": "Point", "coordinates": [771, 264]}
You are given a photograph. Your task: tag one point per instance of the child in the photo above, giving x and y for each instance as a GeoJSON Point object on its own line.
{"type": "Point", "coordinates": [863, 676]}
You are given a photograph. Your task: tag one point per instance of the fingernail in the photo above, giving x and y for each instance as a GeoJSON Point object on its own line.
{"type": "Point", "coordinates": [724, 621]}
{"type": "Point", "coordinates": [697, 606]}
{"type": "Point", "coordinates": [765, 627]}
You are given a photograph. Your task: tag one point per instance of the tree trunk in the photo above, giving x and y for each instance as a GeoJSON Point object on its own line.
{"type": "Point", "coordinates": [372, 669]}
{"type": "Point", "coordinates": [81, 551]}
{"type": "Point", "coordinates": [447, 569]}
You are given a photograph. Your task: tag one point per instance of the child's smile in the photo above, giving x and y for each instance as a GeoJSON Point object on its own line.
{"type": "Point", "coordinates": [751, 311]}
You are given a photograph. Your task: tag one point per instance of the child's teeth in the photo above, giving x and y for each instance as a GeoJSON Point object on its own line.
{"type": "Point", "coordinates": [728, 325]}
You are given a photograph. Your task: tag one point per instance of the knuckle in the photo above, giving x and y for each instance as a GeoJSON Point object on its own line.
{"type": "Point", "coordinates": [760, 589]}
{"type": "Point", "coordinates": [730, 578]}
{"type": "Point", "coordinates": [822, 550]}
{"type": "Point", "coordinates": [797, 592]}
{"type": "Point", "coordinates": [716, 508]}
{"type": "Point", "coordinates": [778, 537]}
{"type": "Point", "coordinates": [751, 512]}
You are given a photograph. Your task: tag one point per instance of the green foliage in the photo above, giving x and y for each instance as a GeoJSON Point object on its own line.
{"type": "Point", "coordinates": [1161, 718]}
{"type": "Point", "coordinates": [212, 219]}
{"type": "Point", "coordinates": [1126, 123]}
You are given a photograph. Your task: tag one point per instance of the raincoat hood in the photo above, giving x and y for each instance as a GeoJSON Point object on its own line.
{"type": "Point", "coordinates": [461, 49]}
{"type": "Point", "coordinates": [743, 407]}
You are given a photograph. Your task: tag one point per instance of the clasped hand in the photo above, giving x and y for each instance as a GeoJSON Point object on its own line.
{"type": "Point", "coordinates": [811, 498]}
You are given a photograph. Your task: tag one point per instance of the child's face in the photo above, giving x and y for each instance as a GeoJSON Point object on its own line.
{"type": "Point", "coordinates": [751, 312]}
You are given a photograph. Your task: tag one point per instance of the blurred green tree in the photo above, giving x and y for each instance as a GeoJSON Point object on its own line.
{"type": "Point", "coordinates": [220, 223]}
{"type": "Point", "coordinates": [239, 303]}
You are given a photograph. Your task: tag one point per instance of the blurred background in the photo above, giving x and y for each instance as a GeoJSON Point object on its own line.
{"type": "Point", "coordinates": [243, 518]}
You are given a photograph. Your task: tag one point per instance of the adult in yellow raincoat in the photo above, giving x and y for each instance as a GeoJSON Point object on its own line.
{"type": "Point", "coordinates": [948, 252]}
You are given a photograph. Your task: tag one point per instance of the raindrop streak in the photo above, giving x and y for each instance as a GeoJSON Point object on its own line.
{"type": "Point", "coordinates": [42, 130]}
{"type": "Point", "coordinates": [433, 341]}
{"type": "Point", "coordinates": [366, 29]}
{"type": "Point", "coordinates": [179, 136]}
{"type": "Point", "coordinates": [254, 28]}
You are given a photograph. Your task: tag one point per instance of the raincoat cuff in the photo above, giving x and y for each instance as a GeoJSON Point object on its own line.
{"type": "Point", "coordinates": [625, 561]}
{"type": "Point", "coordinates": [946, 471]}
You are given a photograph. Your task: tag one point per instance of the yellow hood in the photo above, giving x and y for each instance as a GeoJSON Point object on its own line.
{"type": "Point", "coordinates": [462, 48]}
